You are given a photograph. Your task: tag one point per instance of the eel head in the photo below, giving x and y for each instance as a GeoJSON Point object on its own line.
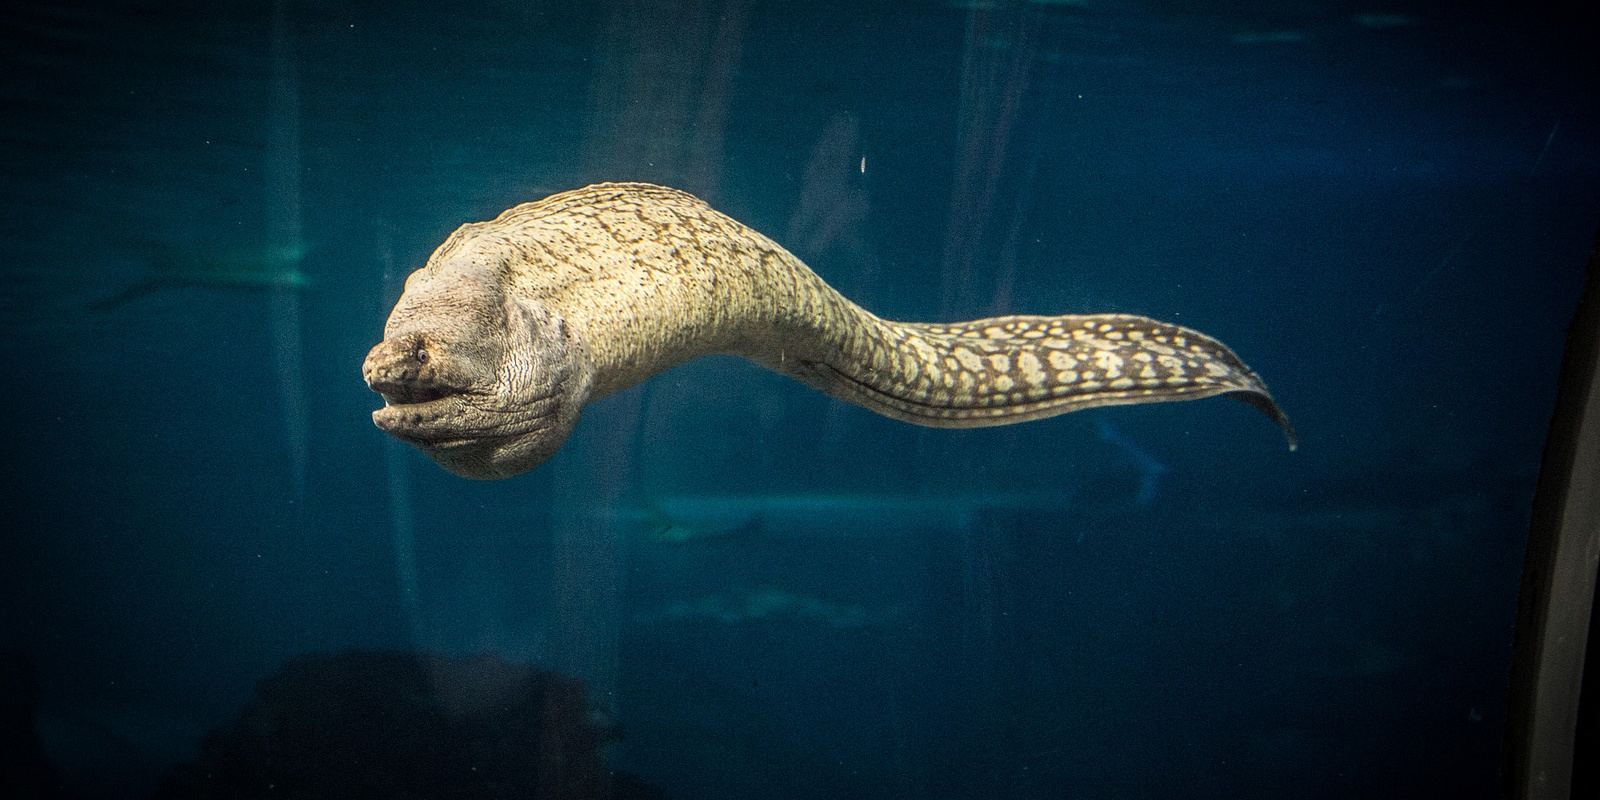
{"type": "Point", "coordinates": [486, 384]}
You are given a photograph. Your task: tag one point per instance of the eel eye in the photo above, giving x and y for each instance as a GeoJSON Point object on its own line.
{"type": "Point", "coordinates": [421, 356]}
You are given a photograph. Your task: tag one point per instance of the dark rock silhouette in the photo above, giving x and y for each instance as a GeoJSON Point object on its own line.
{"type": "Point", "coordinates": [24, 772]}
{"type": "Point", "coordinates": [398, 725]}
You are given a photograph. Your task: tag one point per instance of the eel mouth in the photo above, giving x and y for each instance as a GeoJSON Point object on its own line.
{"type": "Point", "coordinates": [436, 418]}
{"type": "Point", "coordinates": [421, 413]}
{"type": "Point", "coordinates": [422, 419]}
{"type": "Point", "coordinates": [406, 393]}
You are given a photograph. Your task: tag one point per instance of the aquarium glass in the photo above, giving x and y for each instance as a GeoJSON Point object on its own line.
{"type": "Point", "coordinates": [218, 577]}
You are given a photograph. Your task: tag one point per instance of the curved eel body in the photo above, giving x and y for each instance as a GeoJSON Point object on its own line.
{"type": "Point", "coordinates": [513, 325]}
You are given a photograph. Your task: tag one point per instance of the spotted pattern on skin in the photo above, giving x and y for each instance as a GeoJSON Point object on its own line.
{"type": "Point", "coordinates": [618, 282]}
{"type": "Point", "coordinates": [1008, 369]}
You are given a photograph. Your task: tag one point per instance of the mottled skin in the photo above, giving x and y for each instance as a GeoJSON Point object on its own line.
{"type": "Point", "coordinates": [513, 325]}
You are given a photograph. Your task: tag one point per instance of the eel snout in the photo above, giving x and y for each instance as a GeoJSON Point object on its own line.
{"type": "Point", "coordinates": [407, 371]}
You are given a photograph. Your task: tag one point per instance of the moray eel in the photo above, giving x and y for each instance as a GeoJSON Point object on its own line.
{"type": "Point", "coordinates": [513, 325]}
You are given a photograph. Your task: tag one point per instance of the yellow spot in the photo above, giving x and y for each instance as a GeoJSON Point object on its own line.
{"type": "Point", "coordinates": [1136, 335]}
{"type": "Point", "coordinates": [1110, 362]}
{"type": "Point", "coordinates": [1088, 374]}
{"type": "Point", "coordinates": [968, 359]}
{"type": "Point", "coordinates": [994, 333]}
{"type": "Point", "coordinates": [1147, 372]}
{"type": "Point", "coordinates": [1067, 377]}
{"type": "Point", "coordinates": [1003, 383]}
{"type": "Point", "coordinates": [1122, 383]}
{"type": "Point", "coordinates": [1215, 369]}
{"type": "Point", "coordinates": [1114, 335]}
{"type": "Point", "coordinates": [1106, 327]}
{"type": "Point", "coordinates": [1000, 363]}
{"type": "Point", "coordinates": [1031, 371]}
{"type": "Point", "coordinates": [1177, 380]}
{"type": "Point", "coordinates": [1090, 385]}
{"type": "Point", "coordinates": [1061, 360]}
{"type": "Point", "coordinates": [1056, 344]}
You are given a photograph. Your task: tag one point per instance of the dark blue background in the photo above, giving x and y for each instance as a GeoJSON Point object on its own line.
{"type": "Point", "coordinates": [1384, 210]}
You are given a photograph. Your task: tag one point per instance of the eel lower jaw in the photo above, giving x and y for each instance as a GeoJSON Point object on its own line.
{"type": "Point", "coordinates": [447, 422]}
{"type": "Point", "coordinates": [422, 413]}
{"type": "Point", "coordinates": [492, 452]}
{"type": "Point", "coordinates": [423, 421]}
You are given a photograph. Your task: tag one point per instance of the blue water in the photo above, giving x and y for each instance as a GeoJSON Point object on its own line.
{"type": "Point", "coordinates": [1384, 210]}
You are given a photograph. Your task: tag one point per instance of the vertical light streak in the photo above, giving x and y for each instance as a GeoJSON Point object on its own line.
{"type": "Point", "coordinates": [284, 235]}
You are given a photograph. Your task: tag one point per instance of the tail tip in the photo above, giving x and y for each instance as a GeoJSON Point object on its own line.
{"type": "Point", "coordinates": [1263, 402]}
